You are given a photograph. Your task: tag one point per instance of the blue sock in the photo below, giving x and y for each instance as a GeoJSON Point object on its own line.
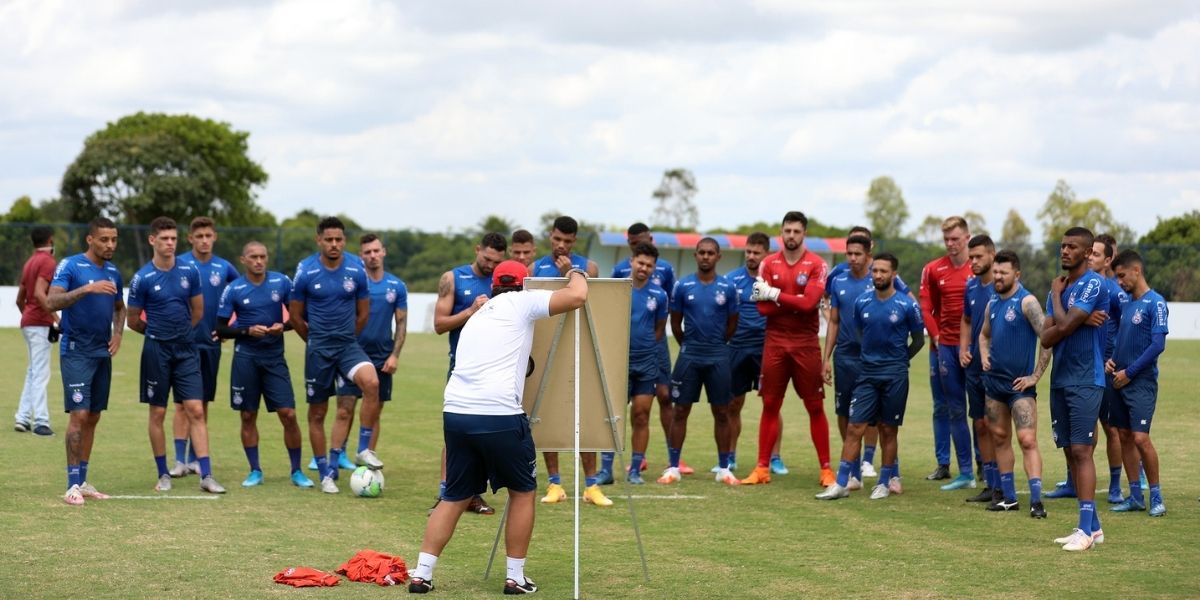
{"type": "Point", "coordinates": [294, 458]}
{"type": "Point", "coordinates": [1035, 490]}
{"type": "Point", "coordinates": [995, 475]}
{"type": "Point", "coordinates": [191, 453]}
{"type": "Point", "coordinates": [1155, 494]}
{"type": "Point", "coordinates": [733, 458]}
{"type": "Point", "coordinates": [73, 476]}
{"type": "Point", "coordinates": [590, 480]}
{"type": "Point", "coordinates": [1135, 491]}
{"type": "Point", "coordinates": [205, 466]}
{"type": "Point", "coordinates": [892, 470]}
{"type": "Point", "coordinates": [637, 458]}
{"type": "Point", "coordinates": [335, 456]}
{"type": "Point", "coordinates": [606, 461]}
{"type": "Point", "coordinates": [161, 463]}
{"type": "Point", "coordinates": [884, 474]}
{"type": "Point", "coordinates": [1087, 512]}
{"type": "Point", "coordinates": [1095, 518]}
{"type": "Point", "coordinates": [723, 460]}
{"type": "Point", "coordinates": [364, 438]}
{"type": "Point", "coordinates": [323, 469]}
{"type": "Point", "coordinates": [868, 454]}
{"type": "Point", "coordinates": [344, 446]}
{"type": "Point", "coordinates": [1114, 480]}
{"type": "Point", "coordinates": [896, 467]}
{"type": "Point", "coordinates": [1009, 486]}
{"type": "Point", "coordinates": [181, 450]}
{"type": "Point", "coordinates": [673, 455]}
{"type": "Point", "coordinates": [252, 457]}
{"type": "Point", "coordinates": [1070, 480]}
{"type": "Point", "coordinates": [988, 479]}
{"type": "Point", "coordinates": [441, 488]}
{"type": "Point", "coordinates": [555, 478]}
{"type": "Point", "coordinates": [843, 474]}
{"type": "Point", "coordinates": [856, 469]}
{"type": "Point", "coordinates": [83, 464]}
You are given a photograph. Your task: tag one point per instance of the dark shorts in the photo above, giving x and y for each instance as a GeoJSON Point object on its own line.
{"type": "Point", "coordinates": [86, 381]}
{"type": "Point", "coordinates": [488, 449]}
{"type": "Point", "coordinates": [1073, 414]}
{"type": "Point", "coordinates": [845, 376]}
{"type": "Point", "coordinates": [691, 373]}
{"type": "Point", "coordinates": [346, 387]}
{"type": "Point", "coordinates": [975, 393]}
{"type": "Point", "coordinates": [1133, 408]}
{"type": "Point", "coordinates": [170, 366]}
{"type": "Point", "coordinates": [1108, 400]}
{"type": "Point", "coordinates": [801, 366]}
{"type": "Point", "coordinates": [254, 377]}
{"type": "Point", "coordinates": [643, 374]}
{"type": "Point", "coordinates": [664, 363]}
{"type": "Point", "coordinates": [879, 400]}
{"type": "Point", "coordinates": [322, 366]}
{"type": "Point", "coordinates": [745, 367]}
{"type": "Point", "coordinates": [1001, 390]}
{"type": "Point", "coordinates": [210, 364]}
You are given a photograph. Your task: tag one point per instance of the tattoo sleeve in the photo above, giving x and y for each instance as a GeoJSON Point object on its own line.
{"type": "Point", "coordinates": [445, 284]}
{"type": "Point", "coordinates": [401, 332]}
{"type": "Point", "coordinates": [119, 315]}
{"type": "Point", "coordinates": [1024, 415]}
{"type": "Point", "coordinates": [1037, 319]}
{"type": "Point", "coordinates": [60, 298]}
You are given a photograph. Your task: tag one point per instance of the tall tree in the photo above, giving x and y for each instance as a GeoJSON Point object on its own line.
{"type": "Point", "coordinates": [885, 209]}
{"type": "Point", "coordinates": [22, 211]}
{"type": "Point", "coordinates": [673, 206]}
{"type": "Point", "coordinates": [1014, 233]}
{"type": "Point", "coordinates": [977, 222]}
{"type": "Point", "coordinates": [1062, 210]}
{"type": "Point", "coordinates": [930, 230]}
{"type": "Point", "coordinates": [495, 223]}
{"type": "Point", "coordinates": [1171, 256]}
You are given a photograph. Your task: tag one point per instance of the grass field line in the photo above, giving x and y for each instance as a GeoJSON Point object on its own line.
{"type": "Point", "coordinates": [162, 498]}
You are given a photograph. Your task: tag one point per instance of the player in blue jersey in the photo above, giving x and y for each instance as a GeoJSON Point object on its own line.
{"type": "Point", "coordinates": [1012, 321]}
{"type": "Point", "coordinates": [215, 273]}
{"type": "Point", "coordinates": [746, 345]}
{"type": "Point", "coordinates": [259, 371]}
{"type": "Point", "coordinates": [1141, 337]}
{"type": "Point", "coordinates": [885, 321]}
{"type": "Point", "coordinates": [168, 291]}
{"type": "Point", "coordinates": [328, 307]}
{"type": "Point", "coordinates": [1100, 261]}
{"type": "Point", "coordinates": [87, 289]}
{"type": "Point", "coordinates": [1077, 379]}
{"type": "Point", "coordinates": [704, 316]}
{"type": "Point", "coordinates": [647, 325]}
{"type": "Point", "coordinates": [981, 251]}
{"type": "Point", "coordinates": [381, 342]}
{"type": "Point", "coordinates": [461, 292]}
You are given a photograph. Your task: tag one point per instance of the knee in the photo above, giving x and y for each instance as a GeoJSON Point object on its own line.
{"type": "Point", "coordinates": [814, 406]}
{"type": "Point", "coordinates": [720, 417]}
{"type": "Point", "coordinates": [249, 418]}
{"type": "Point", "coordinates": [286, 415]}
{"type": "Point", "coordinates": [1141, 439]}
{"type": "Point", "coordinates": [345, 412]}
{"type": "Point", "coordinates": [316, 414]}
{"type": "Point", "coordinates": [641, 418]}
{"type": "Point", "coordinates": [1027, 439]}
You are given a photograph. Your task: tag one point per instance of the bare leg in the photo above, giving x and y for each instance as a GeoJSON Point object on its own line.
{"type": "Point", "coordinates": [1025, 417]}
{"type": "Point", "coordinates": [999, 420]}
{"type": "Point", "coordinates": [1083, 467]}
{"type": "Point", "coordinates": [342, 421]}
{"type": "Point", "coordinates": [735, 421]}
{"type": "Point", "coordinates": [551, 459]}
{"type": "Point", "coordinates": [368, 381]}
{"type": "Point", "coordinates": [197, 427]}
{"type": "Point", "coordinates": [1149, 456]}
{"type": "Point", "coordinates": [679, 424]}
{"type": "Point", "coordinates": [249, 428]}
{"type": "Point", "coordinates": [440, 526]}
{"type": "Point", "coordinates": [316, 432]}
{"type": "Point", "coordinates": [640, 417]}
{"type": "Point", "coordinates": [519, 528]}
{"type": "Point", "coordinates": [721, 432]}
{"type": "Point", "coordinates": [158, 444]}
{"type": "Point", "coordinates": [291, 428]}
{"type": "Point", "coordinates": [666, 409]}
{"type": "Point", "coordinates": [89, 434]}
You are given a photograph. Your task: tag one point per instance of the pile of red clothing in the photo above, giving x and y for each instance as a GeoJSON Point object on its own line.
{"type": "Point", "coordinates": [367, 566]}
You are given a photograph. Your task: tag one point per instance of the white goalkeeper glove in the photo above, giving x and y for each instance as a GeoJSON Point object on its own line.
{"type": "Point", "coordinates": [763, 292]}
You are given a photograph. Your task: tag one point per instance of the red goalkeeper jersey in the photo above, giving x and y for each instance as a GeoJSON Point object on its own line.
{"type": "Point", "coordinates": [943, 289]}
{"type": "Point", "coordinates": [795, 320]}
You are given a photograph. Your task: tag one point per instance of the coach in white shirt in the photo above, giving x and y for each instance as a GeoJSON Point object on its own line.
{"type": "Point", "coordinates": [486, 429]}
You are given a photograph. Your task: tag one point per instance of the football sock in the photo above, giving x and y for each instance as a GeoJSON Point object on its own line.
{"type": "Point", "coordinates": [1155, 494]}
{"type": "Point", "coordinates": [83, 465]}
{"type": "Point", "coordinates": [425, 565]}
{"type": "Point", "coordinates": [673, 455]}
{"type": "Point", "coordinates": [818, 429]}
{"type": "Point", "coordinates": [868, 454]}
{"type": "Point", "coordinates": [323, 469]}
{"type": "Point", "coordinates": [843, 474]}
{"type": "Point", "coordinates": [636, 466]}
{"type": "Point", "coordinates": [723, 460]}
{"type": "Point", "coordinates": [205, 466]}
{"type": "Point", "coordinates": [1114, 480]}
{"type": "Point", "coordinates": [1095, 518]}
{"type": "Point", "coordinates": [768, 428]}
{"type": "Point", "coordinates": [855, 468]}
{"type": "Point", "coordinates": [73, 476]}
{"type": "Point", "coordinates": [335, 459]}
{"type": "Point", "coordinates": [733, 457]}
{"type": "Point", "coordinates": [294, 458]}
{"type": "Point", "coordinates": [1070, 480]}
{"type": "Point", "coordinates": [252, 457]}
{"type": "Point", "coordinates": [555, 478]}
{"type": "Point", "coordinates": [1008, 484]}
{"type": "Point", "coordinates": [1135, 491]}
{"type": "Point", "coordinates": [364, 438]}
{"type": "Point", "coordinates": [890, 471]}
{"type": "Point", "coordinates": [1035, 489]}
{"type": "Point", "coordinates": [161, 463]}
{"type": "Point", "coordinates": [516, 569]}
{"type": "Point", "coordinates": [606, 461]}
{"type": "Point", "coordinates": [1087, 512]}
{"type": "Point", "coordinates": [181, 450]}
{"type": "Point", "coordinates": [896, 467]}
{"type": "Point", "coordinates": [590, 480]}
{"type": "Point", "coordinates": [191, 453]}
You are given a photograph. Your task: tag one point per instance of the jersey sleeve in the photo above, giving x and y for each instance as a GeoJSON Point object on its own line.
{"type": "Point", "coordinates": [231, 272]}
{"type": "Point", "coordinates": [1159, 314]}
{"type": "Point", "coordinates": [63, 275]}
{"type": "Point", "coordinates": [916, 322]}
{"type": "Point", "coordinates": [929, 299]}
{"type": "Point", "coordinates": [194, 280]}
{"type": "Point", "coordinates": [285, 294]}
{"type": "Point", "coordinates": [661, 311]}
{"type": "Point", "coordinates": [401, 296]}
{"type": "Point", "coordinates": [669, 279]}
{"type": "Point", "coordinates": [1093, 296]}
{"type": "Point", "coordinates": [900, 286]}
{"type": "Point", "coordinates": [46, 269]}
{"type": "Point", "coordinates": [225, 304]}
{"type": "Point", "coordinates": [831, 288]}
{"type": "Point", "coordinates": [360, 285]}
{"type": "Point", "coordinates": [676, 301]}
{"type": "Point", "coordinates": [135, 299]}
{"type": "Point", "coordinates": [299, 287]}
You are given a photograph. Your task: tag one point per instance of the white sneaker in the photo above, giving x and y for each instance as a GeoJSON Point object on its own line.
{"type": "Point", "coordinates": [727, 477]}
{"type": "Point", "coordinates": [854, 484]}
{"type": "Point", "coordinates": [367, 458]}
{"type": "Point", "coordinates": [1097, 537]}
{"type": "Point", "coordinates": [73, 496]}
{"type": "Point", "coordinates": [328, 486]}
{"type": "Point", "coordinates": [194, 467]}
{"type": "Point", "coordinates": [670, 475]}
{"type": "Point", "coordinates": [210, 485]}
{"type": "Point", "coordinates": [833, 492]}
{"type": "Point", "coordinates": [879, 492]}
{"type": "Point", "coordinates": [894, 486]}
{"type": "Point", "coordinates": [715, 469]}
{"type": "Point", "coordinates": [179, 470]}
{"type": "Point", "coordinates": [89, 491]}
{"type": "Point", "coordinates": [868, 470]}
{"type": "Point", "coordinates": [164, 484]}
{"type": "Point", "coordinates": [1078, 541]}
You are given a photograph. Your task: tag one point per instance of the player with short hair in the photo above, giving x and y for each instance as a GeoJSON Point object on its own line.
{"type": "Point", "coordinates": [38, 324]}
{"type": "Point", "coordinates": [522, 248]}
{"type": "Point", "coordinates": [487, 433]}
{"type": "Point", "coordinates": [704, 317]}
{"type": "Point", "coordinates": [328, 308]}
{"type": "Point", "coordinates": [789, 291]}
{"type": "Point", "coordinates": [1141, 338]}
{"type": "Point", "coordinates": [884, 323]}
{"type": "Point", "coordinates": [647, 325]}
{"type": "Point", "coordinates": [746, 345]}
{"type": "Point", "coordinates": [1012, 322]}
{"type": "Point", "coordinates": [87, 288]}
{"type": "Point", "coordinates": [1077, 379]}
{"type": "Point", "coordinates": [981, 253]}
{"type": "Point", "coordinates": [1104, 248]}
{"type": "Point", "coordinates": [257, 300]}
{"type": "Point", "coordinates": [168, 290]}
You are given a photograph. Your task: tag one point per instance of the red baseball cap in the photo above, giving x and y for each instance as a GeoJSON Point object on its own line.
{"type": "Point", "coordinates": [509, 273]}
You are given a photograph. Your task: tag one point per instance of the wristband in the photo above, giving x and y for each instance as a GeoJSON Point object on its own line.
{"type": "Point", "coordinates": [577, 270]}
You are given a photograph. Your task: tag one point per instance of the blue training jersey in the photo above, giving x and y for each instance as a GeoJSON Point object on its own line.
{"type": "Point", "coordinates": [844, 267]}
{"type": "Point", "coordinates": [1079, 357]}
{"type": "Point", "coordinates": [843, 291]}
{"type": "Point", "coordinates": [884, 328]}
{"type": "Point", "coordinates": [663, 275]}
{"type": "Point", "coordinates": [975, 300]}
{"type": "Point", "coordinates": [545, 267]}
{"type": "Point", "coordinates": [260, 304]}
{"type": "Point", "coordinates": [648, 306]}
{"type": "Point", "coordinates": [214, 276]}
{"type": "Point", "coordinates": [87, 324]}
{"type": "Point", "coordinates": [1141, 318]}
{"type": "Point", "coordinates": [166, 296]}
{"type": "Point", "coordinates": [706, 307]}
{"type": "Point", "coordinates": [1013, 344]}
{"type": "Point", "coordinates": [467, 287]}
{"type": "Point", "coordinates": [1116, 300]}
{"type": "Point", "coordinates": [752, 325]}
{"type": "Point", "coordinates": [388, 295]}
{"type": "Point", "coordinates": [330, 298]}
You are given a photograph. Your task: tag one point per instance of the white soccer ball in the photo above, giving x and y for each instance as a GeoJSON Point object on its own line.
{"type": "Point", "coordinates": [366, 482]}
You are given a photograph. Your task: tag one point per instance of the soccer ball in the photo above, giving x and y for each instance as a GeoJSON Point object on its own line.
{"type": "Point", "coordinates": [366, 482]}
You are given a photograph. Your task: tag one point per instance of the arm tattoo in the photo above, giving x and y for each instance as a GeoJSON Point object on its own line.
{"type": "Point", "coordinates": [1033, 313]}
{"type": "Point", "coordinates": [1024, 415]}
{"type": "Point", "coordinates": [1044, 355]}
{"type": "Point", "coordinates": [63, 299]}
{"type": "Point", "coordinates": [119, 315]}
{"type": "Point", "coordinates": [401, 333]}
{"type": "Point", "coordinates": [446, 284]}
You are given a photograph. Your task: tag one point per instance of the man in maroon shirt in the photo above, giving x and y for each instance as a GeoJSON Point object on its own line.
{"type": "Point", "coordinates": [36, 321]}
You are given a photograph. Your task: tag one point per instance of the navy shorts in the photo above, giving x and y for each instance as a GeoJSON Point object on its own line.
{"type": "Point", "coordinates": [1001, 390]}
{"type": "Point", "coordinates": [845, 376]}
{"type": "Point", "coordinates": [346, 387]}
{"type": "Point", "coordinates": [210, 364]}
{"type": "Point", "coordinates": [643, 374]}
{"type": "Point", "coordinates": [1133, 408]}
{"type": "Point", "coordinates": [168, 366]}
{"type": "Point", "coordinates": [322, 366]}
{"type": "Point", "coordinates": [254, 377]}
{"type": "Point", "coordinates": [664, 362]}
{"type": "Point", "coordinates": [879, 400]}
{"type": "Point", "coordinates": [975, 393]}
{"type": "Point", "coordinates": [745, 367]}
{"type": "Point", "coordinates": [488, 449]}
{"type": "Point", "coordinates": [86, 381]}
{"type": "Point", "coordinates": [1073, 414]}
{"type": "Point", "coordinates": [1108, 400]}
{"type": "Point", "coordinates": [690, 374]}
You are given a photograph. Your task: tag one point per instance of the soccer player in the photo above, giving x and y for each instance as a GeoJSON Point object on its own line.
{"type": "Point", "coordinates": [746, 345]}
{"type": "Point", "coordinates": [789, 290]}
{"type": "Point", "coordinates": [388, 304]}
{"type": "Point", "coordinates": [1012, 322]}
{"type": "Point", "coordinates": [704, 316]}
{"type": "Point", "coordinates": [522, 249]}
{"type": "Point", "coordinates": [1077, 379]}
{"type": "Point", "coordinates": [259, 370]}
{"type": "Point", "coordinates": [168, 290]}
{"type": "Point", "coordinates": [647, 325]}
{"type": "Point", "coordinates": [1100, 260]}
{"type": "Point", "coordinates": [37, 322]}
{"type": "Point", "coordinates": [943, 285]}
{"type": "Point", "coordinates": [328, 307]}
{"type": "Point", "coordinates": [87, 288]}
{"type": "Point", "coordinates": [1141, 337]}
{"type": "Point", "coordinates": [884, 323]}
{"type": "Point", "coordinates": [461, 292]}
{"type": "Point", "coordinates": [215, 273]}
{"type": "Point", "coordinates": [487, 433]}
{"type": "Point", "coordinates": [981, 253]}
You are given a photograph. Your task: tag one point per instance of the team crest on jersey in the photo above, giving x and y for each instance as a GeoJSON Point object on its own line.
{"type": "Point", "coordinates": [391, 296]}
{"type": "Point", "coordinates": [651, 304]}
{"type": "Point", "coordinates": [1137, 317]}
{"type": "Point", "coordinates": [183, 283]}
{"type": "Point", "coordinates": [77, 396]}
{"type": "Point", "coordinates": [656, 279]}
{"type": "Point", "coordinates": [1010, 315]}
{"type": "Point", "coordinates": [893, 317]}
{"type": "Point", "coordinates": [274, 295]}
{"type": "Point", "coordinates": [720, 298]}
{"type": "Point", "coordinates": [214, 279]}
{"type": "Point", "coordinates": [802, 279]}
{"type": "Point", "coordinates": [348, 284]}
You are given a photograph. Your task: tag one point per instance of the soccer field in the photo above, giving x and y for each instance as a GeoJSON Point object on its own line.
{"type": "Point", "coordinates": [702, 539]}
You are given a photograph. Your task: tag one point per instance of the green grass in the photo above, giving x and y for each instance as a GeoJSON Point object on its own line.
{"type": "Point", "coordinates": [770, 541]}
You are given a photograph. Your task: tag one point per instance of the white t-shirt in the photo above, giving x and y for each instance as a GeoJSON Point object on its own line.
{"type": "Point", "coordinates": [493, 355]}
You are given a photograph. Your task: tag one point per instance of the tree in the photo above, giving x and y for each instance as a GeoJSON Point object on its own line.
{"type": "Point", "coordinates": [497, 224]}
{"type": "Point", "coordinates": [674, 208]}
{"type": "Point", "coordinates": [1062, 211]}
{"type": "Point", "coordinates": [1014, 234]}
{"type": "Point", "coordinates": [885, 210]}
{"type": "Point", "coordinates": [976, 222]}
{"type": "Point", "coordinates": [150, 164]}
{"type": "Point", "coordinates": [815, 229]}
{"type": "Point", "coordinates": [1171, 256]}
{"type": "Point", "coordinates": [22, 211]}
{"type": "Point", "coordinates": [930, 230]}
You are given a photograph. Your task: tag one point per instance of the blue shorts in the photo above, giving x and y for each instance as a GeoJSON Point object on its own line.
{"type": "Point", "coordinates": [643, 374]}
{"type": "Point", "coordinates": [845, 376]}
{"type": "Point", "coordinates": [664, 362]}
{"type": "Point", "coordinates": [1073, 414]}
{"type": "Point", "coordinates": [1000, 389]}
{"type": "Point", "coordinates": [975, 393]}
{"type": "Point", "coordinates": [690, 374]}
{"type": "Point", "coordinates": [488, 449]}
{"type": "Point", "coordinates": [1108, 400]}
{"type": "Point", "coordinates": [879, 400]}
{"type": "Point", "coordinates": [952, 379]}
{"type": "Point", "coordinates": [86, 381]}
{"type": "Point", "coordinates": [210, 364]}
{"type": "Point", "coordinates": [252, 377]}
{"type": "Point", "coordinates": [745, 367]}
{"type": "Point", "coordinates": [346, 387]}
{"type": "Point", "coordinates": [1133, 408]}
{"type": "Point", "coordinates": [170, 366]}
{"type": "Point", "coordinates": [322, 366]}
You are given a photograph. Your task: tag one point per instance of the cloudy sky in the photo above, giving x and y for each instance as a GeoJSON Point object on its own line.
{"type": "Point", "coordinates": [433, 114]}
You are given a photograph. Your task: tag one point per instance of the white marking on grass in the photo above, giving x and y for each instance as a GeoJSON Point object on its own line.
{"type": "Point", "coordinates": [164, 497]}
